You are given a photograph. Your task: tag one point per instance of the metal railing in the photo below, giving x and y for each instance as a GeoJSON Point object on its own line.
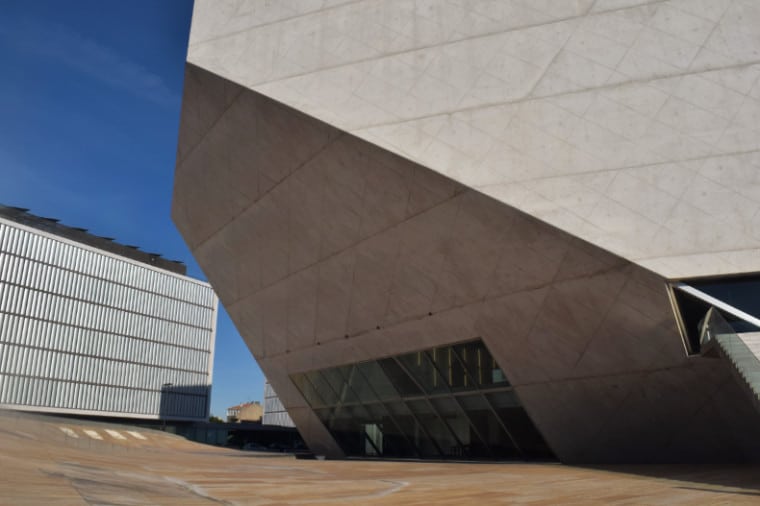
{"type": "Point", "coordinates": [716, 331]}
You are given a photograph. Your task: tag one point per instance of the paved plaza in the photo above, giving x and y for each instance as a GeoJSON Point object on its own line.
{"type": "Point", "coordinates": [56, 461]}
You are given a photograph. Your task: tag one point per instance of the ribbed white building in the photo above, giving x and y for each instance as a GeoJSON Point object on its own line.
{"type": "Point", "coordinates": [91, 327]}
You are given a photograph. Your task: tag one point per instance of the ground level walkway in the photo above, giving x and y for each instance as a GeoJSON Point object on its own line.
{"type": "Point", "coordinates": [56, 461]}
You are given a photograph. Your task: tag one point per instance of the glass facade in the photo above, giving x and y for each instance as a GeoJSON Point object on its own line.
{"type": "Point", "coordinates": [452, 402]}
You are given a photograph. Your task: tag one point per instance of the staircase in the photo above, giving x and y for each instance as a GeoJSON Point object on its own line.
{"type": "Point", "coordinates": [744, 353]}
{"type": "Point", "coordinates": [725, 331]}
{"type": "Point", "coordinates": [742, 350]}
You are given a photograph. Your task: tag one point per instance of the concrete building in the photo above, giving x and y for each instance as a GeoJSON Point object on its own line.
{"type": "Point", "coordinates": [476, 229]}
{"type": "Point", "coordinates": [92, 327]}
{"type": "Point", "coordinates": [246, 412]}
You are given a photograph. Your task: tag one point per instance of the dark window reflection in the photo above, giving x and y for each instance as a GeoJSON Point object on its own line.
{"type": "Point", "coordinates": [424, 372]}
{"type": "Point", "coordinates": [323, 388]}
{"type": "Point", "coordinates": [377, 379]}
{"type": "Point", "coordinates": [497, 440]}
{"type": "Point", "coordinates": [308, 391]}
{"type": "Point", "coordinates": [742, 292]}
{"type": "Point", "coordinates": [483, 369]}
{"type": "Point", "coordinates": [519, 425]}
{"type": "Point", "coordinates": [403, 384]}
{"type": "Point", "coordinates": [415, 432]}
{"type": "Point", "coordinates": [451, 402]}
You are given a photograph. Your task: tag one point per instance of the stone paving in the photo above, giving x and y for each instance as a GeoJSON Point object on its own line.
{"type": "Point", "coordinates": [55, 461]}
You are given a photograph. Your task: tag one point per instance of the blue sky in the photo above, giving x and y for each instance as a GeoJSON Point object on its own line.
{"type": "Point", "coordinates": [90, 94]}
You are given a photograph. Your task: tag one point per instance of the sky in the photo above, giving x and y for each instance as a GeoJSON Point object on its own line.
{"type": "Point", "coordinates": [90, 95]}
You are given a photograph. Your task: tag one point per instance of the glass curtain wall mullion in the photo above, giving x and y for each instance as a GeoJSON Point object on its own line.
{"type": "Point", "coordinates": [346, 390]}
{"type": "Point", "coordinates": [493, 411]}
{"type": "Point", "coordinates": [457, 399]}
{"type": "Point", "coordinates": [504, 426]}
{"type": "Point", "coordinates": [446, 402]}
{"type": "Point", "coordinates": [430, 404]}
{"type": "Point", "coordinates": [368, 439]}
{"type": "Point", "coordinates": [415, 415]}
{"type": "Point", "coordinates": [424, 429]}
{"type": "Point", "coordinates": [309, 396]}
{"type": "Point", "coordinates": [339, 383]}
{"type": "Point", "coordinates": [389, 434]}
{"type": "Point", "coordinates": [411, 425]}
{"type": "Point", "coordinates": [337, 407]}
{"type": "Point", "coordinates": [458, 405]}
{"type": "Point", "coordinates": [387, 411]}
{"type": "Point", "coordinates": [349, 389]}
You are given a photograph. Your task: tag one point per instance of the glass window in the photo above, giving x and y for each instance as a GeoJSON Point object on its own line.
{"type": "Point", "coordinates": [323, 388]}
{"type": "Point", "coordinates": [471, 443]}
{"type": "Point", "coordinates": [481, 366]}
{"type": "Point", "coordinates": [335, 382]}
{"type": "Point", "coordinates": [420, 367]}
{"type": "Point", "coordinates": [307, 390]}
{"type": "Point", "coordinates": [377, 380]}
{"type": "Point", "coordinates": [519, 425]}
{"type": "Point", "coordinates": [448, 402]}
{"type": "Point", "coordinates": [741, 292]}
{"type": "Point", "coordinates": [345, 426]}
{"type": "Point", "coordinates": [393, 441]}
{"type": "Point", "coordinates": [433, 426]}
{"type": "Point", "coordinates": [402, 383]}
{"type": "Point", "coordinates": [425, 446]}
{"type": "Point", "coordinates": [324, 415]}
{"type": "Point", "coordinates": [495, 439]}
{"type": "Point", "coordinates": [361, 390]}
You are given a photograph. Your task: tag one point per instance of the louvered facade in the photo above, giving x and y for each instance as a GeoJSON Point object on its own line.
{"type": "Point", "coordinates": [85, 331]}
{"type": "Point", "coordinates": [274, 412]}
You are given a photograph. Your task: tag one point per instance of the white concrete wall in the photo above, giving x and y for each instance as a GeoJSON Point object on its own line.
{"type": "Point", "coordinates": [633, 124]}
{"type": "Point", "coordinates": [327, 250]}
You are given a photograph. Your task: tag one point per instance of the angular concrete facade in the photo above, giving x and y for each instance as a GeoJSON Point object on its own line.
{"type": "Point", "coordinates": [354, 188]}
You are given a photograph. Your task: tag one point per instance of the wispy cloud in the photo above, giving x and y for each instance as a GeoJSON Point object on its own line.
{"type": "Point", "coordinates": [93, 59]}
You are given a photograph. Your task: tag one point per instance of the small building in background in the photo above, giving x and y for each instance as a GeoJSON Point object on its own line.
{"type": "Point", "coordinates": [247, 412]}
{"type": "Point", "coordinates": [92, 327]}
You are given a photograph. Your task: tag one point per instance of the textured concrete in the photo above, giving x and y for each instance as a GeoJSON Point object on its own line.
{"type": "Point", "coordinates": [41, 464]}
{"type": "Point", "coordinates": [326, 250]}
{"type": "Point", "coordinates": [633, 124]}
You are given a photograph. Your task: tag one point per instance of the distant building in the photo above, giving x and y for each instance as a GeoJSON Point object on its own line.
{"type": "Point", "coordinates": [246, 412]}
{"type": "Point", "coordinates": [92, 327]}
{"type": "Point", "coordinates": [274, 412]}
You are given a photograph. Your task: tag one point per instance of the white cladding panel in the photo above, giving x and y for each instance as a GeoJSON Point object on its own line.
{"type": "Point", "coordinates": [86, 331]}
{"type": "Point", "coordinates": [633, 124]}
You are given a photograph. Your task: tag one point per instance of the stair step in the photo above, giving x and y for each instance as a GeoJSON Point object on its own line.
{"type": "Point", "coordinates": [744, 354]}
